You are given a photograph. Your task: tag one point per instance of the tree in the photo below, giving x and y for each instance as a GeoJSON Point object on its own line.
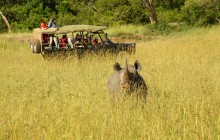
{"type": "Point", "coordinates": [151, 10]}
{"type": "Point", "coordinates": [169, 4]}
{"type": "Point", "coordinates": [6, 21]}
{"type": "Point", "coordinates": [200, 12]}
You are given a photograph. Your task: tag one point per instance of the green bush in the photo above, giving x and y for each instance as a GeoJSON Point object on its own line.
{"type": "Point", "coordinates": [169, 15]}
{"type": "Point", "coordinates": [200, 13]}
{"type": "Point", "coordinates": [3, 26]}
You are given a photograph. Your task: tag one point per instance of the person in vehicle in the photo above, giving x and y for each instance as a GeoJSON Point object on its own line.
{"type": "Point", "coordinates": [52, 23]}
{"type": "Point", "coordinates": [43, 24]}
{"type": "Point", "coordinates": [85, 41]}
{"type": "Point", "coordinates": [78, 42]}
{"type": "Point", "coordinates": [64, 41]}
{"type": "Point", "coordinates": [53, 42]}
{"type": "Point", "coordinates": [95, 41]}
{"type": "Point", "coordinates": [77, 38]}
{"type": "Point", "coordinates": [70, 42]}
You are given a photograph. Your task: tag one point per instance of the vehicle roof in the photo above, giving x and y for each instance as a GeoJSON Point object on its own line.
{"type": "Point", "coordinates": [45, 31]}
{"type": "Point", "coordinates": [70, 28]}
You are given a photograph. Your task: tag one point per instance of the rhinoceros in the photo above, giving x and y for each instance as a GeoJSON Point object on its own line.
{"type": "Point", "coordinates": [127, 81]}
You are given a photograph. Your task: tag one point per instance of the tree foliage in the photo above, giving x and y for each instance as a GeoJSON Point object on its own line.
{"type": "Point", "coordinates": [27, 14]}
{"type": "Point", "coordinates": [200, 12]}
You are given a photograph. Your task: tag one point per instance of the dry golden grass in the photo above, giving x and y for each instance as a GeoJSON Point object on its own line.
{"type": "Point", "coordinates": [68, 100]}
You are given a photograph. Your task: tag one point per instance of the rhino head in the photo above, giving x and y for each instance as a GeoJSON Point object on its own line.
{"type": "Point", "coordinates": [127, 81]}
{"type": "Point", "coordinates": [129, 78]}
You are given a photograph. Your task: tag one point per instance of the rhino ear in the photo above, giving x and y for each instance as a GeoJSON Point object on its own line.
{"type": "Point", "coordinates": [137, 65]}
{"type": "Point", "coordinates": [117, 67]}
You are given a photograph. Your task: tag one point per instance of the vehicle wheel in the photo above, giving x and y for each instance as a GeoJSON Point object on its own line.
{"type": "Point", "coordinates": [32, 47]}
{"type": "Point", "coordinates": [36, 46]}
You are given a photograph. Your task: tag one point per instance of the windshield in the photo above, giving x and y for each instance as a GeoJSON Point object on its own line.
{"type": "Point", "coordinates": [103, 36]}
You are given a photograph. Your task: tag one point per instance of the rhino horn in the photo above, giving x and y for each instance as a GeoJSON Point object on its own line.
{"type": "Point", "coordinates": [126, 72]}
{"type": "Point", "coordinates": [126, 66]}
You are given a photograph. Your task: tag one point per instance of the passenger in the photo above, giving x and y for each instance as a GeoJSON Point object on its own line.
{"type": "Point", "coordinates": [70, 42]}
{"type": "Point", "coordinates": [55, 39]}
{"type": "Point", "coordinates": [85, 41]}
{"type": "Point", "coordinates": [78, 43]}
{"type": "Point", "coordinates": [77, 39]}
{"type": "Point", "coordinates": [95, 41]}
{"type": "Point", "coordinates": [45, 38]}
{"type": "Point", "coordinates": [52, 24]}
{"type": "Point", "coordinates": [43, 24]}
{"type": "Point", "coordinates": [64, 41]}
{"type": "Point", "coordinates": [53, 42]}
{"type": "Point", "coordinates": [44, 27]}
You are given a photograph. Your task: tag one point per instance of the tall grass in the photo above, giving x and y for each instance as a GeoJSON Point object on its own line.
{"type": "Point", "coordinates": [126, 30]}
{"type": "Point", "coordinates": [68, 100]}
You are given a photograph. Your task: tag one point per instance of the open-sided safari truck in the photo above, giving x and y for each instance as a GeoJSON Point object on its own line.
{"type": "Point", "coordinates": [76, 40]}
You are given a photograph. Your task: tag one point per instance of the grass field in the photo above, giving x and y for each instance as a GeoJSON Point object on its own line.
{"type": "Point", "coordinates": [68, 100]}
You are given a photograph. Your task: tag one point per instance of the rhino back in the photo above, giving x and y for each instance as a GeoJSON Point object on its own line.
{"type": "Point", "coordinates": [141, 85]}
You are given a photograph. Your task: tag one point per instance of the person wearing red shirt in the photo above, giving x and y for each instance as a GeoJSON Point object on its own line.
{"type": "Point", "coordinates": [44, 26]}
{"type": "Point", "coordinates": [95, 41]}
{"type": "Point", "coordinates": [64, 41]}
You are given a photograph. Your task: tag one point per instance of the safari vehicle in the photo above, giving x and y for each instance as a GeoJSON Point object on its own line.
{"type": "Point", "coordinates": [76, 40]}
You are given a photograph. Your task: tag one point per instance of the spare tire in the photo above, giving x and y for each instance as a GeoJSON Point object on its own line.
{"type": "Point", "coordinates": [36, 46]}
{"type": "Point", "coordinates": [32, 46]}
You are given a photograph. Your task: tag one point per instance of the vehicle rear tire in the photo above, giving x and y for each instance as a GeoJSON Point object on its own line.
{"type": "Point", "coordinates": [36, 46]}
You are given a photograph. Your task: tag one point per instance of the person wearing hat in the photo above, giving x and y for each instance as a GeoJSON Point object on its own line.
{"type": "Point", "coordinates": [52, 23]}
